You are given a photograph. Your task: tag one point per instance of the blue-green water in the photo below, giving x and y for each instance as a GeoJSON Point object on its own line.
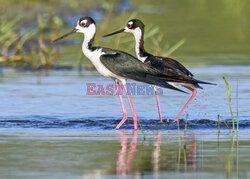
{"type": "Point", "coordinates": [59, 153]}
{"type": "Point", "coordinates": [50, 128]}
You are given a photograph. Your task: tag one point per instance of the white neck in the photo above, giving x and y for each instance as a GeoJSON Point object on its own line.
{"type": "Point", "coordinates": [138, 35]}
{"type": "Point", "coordinates": [94, 55]}
{"type": "Point", "coordinates": [88, 36]}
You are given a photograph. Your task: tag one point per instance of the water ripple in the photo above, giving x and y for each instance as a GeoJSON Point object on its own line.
{"type": "Point", "coordinates": [107, 123]}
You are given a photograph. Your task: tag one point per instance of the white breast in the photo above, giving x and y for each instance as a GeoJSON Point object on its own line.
{"type": "Point", "coordinates": [94, 57]}
{"type": "Point", "coordinates": [141, 58]}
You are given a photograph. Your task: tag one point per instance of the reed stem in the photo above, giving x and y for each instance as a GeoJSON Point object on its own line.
{"type": "Point", "coordinates": [229, 101]}
{"type": "Point", "coordinates": [237, 97]}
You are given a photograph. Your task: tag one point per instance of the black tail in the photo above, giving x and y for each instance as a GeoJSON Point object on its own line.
{"type": "Point", "coordinates": [167, 85]}
{"type": "Point", "coordinates": [158, 82]}
{"type": "Point", "coordinates": [163, 83]}
{"type": "Point", "coordinates": [196, 83]}
{"type": "Point", "coordinates": [204, 82]}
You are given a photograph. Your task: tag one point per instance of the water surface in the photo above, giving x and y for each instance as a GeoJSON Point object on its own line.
{"type": "Point", "coordinates": [50, 128]}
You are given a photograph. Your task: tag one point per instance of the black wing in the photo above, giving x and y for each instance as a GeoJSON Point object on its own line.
{"type": "Point", "coordinates": [127, 66]}
{"type": "Point", "coordinates": [172, 71]}
{"type": "Point", "coordinates": [168, 66]}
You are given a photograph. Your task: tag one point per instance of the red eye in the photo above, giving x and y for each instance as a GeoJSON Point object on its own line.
{"type": "Point", "coordinates": [130, 26]}
{"type": "Point", "coordinates": [83, 24]}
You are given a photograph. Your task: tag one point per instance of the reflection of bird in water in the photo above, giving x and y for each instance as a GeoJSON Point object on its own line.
{"type": "Point", "coordinates": [193, 153]}
{"type": "Point", "coordinates": [156, 154]}
{"type": "Point", "coordinates": [125, 158]}
{"type": "Point", "coordinates": [189, 152]}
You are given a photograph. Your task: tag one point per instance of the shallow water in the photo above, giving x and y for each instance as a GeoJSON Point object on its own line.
{"type": "Point", "coordinates": [79, 153]}
{"type": "Point", "coordinates": [50, 128]}
{"type": "Point", "coordinates": [62, 96]}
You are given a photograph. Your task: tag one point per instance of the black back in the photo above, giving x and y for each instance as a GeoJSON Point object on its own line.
{"type": "Point", "coordinates": [127, 66]}
{"type": "Point", "coordinates": [168, 66]}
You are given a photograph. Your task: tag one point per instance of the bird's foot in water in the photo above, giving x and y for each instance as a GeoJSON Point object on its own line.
{"type": "Point", "coordinates": [135, 121]}
{"type": "Point", "coordinates": [125, 116]}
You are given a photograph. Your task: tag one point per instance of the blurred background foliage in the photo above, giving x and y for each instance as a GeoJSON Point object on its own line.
{"type": "Point", "coordinates": [195, 32]}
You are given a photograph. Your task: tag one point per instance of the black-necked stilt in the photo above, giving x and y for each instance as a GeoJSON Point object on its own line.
{"type": "Point", "coordinates": [116, 64]}
{"type": "Point", "coordinates": [175, 73]}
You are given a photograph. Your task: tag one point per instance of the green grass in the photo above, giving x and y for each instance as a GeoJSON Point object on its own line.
{"type": "Point", "coordinates": [163, 36]}
{"type": "Point", "coordinates": [220, 118]}
{"type": "Point", "coordinates": [230, 108]}
{"type": "Point", "coordinates": [229, 101]}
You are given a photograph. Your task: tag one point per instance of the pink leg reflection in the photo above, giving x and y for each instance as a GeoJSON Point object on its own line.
{"type": "Point", "coordinates": [125, 158]}
{"type": "Point", "coordinates": [156, 154]}
{"type": "Point", "coordinates": [131, 152]}
{"type": "Point", "coordinates": [192, 146]}
{"type": "Point", "coordinates": [121, 161]}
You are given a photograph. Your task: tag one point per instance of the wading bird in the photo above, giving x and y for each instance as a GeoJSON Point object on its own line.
{"type": "Point", "coordinates": [174, 72]}
{"type": "Point", "coordinates": [116, 64]}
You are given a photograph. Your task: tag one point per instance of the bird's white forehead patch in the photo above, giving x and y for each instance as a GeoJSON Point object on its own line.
{"type": "Point", "coordinates": [84, 21]}
{"type": "Point", "coordinates": [130, 23]}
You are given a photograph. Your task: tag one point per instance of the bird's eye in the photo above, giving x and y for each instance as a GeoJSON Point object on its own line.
{"type": "Point", "coordinates": [83, 24]}
{"type": "Point", "coordinates": [130, 26]}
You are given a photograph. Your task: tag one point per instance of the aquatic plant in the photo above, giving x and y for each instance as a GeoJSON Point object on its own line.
{"type": "Point", "coordinates": [218, 124]}
{"type": "Point", "coordinates": [185, 147]}
{"type": "Point", "coordinates": [229, 100]}
{"type": "Point", "coordinates": [179, 147]}
{"type": "Point", "coordinates": [230, 107]}
{"type": "Point", "coordinates": [237, 98]}
{"type": "Point", "coordinates": [228, 165]}
{"type": "Point", "coordinates": [220, 118]}
{"type": "Point", "coordinates": [237, 154]}
{"type": "Point", "coordinates": [144, 137]}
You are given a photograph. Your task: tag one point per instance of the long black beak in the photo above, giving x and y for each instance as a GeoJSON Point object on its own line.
{"type": "Point", "coordinates": [66, 35]}
{"type": "Point", "coordinates": [117, 32]}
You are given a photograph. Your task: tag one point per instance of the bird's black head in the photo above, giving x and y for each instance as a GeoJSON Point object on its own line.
{"type": "Point", "coordinates": [85, 22]}
{"type": "Point", "coordinates": [134, 26]}
{"type": "Point", "coordinates": [135, 23]}
{"type": "Point", "coordinates": [84, 25]}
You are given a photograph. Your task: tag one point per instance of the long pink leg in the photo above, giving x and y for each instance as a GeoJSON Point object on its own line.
{"type": "Point", "coordinates": [158, 103]}
{"type": "Point", "coordinates": [125, 116]}
{"type": "Point", "coordinates": [190, 99]}
{"type": "Point", "coordinates": [131, 106]}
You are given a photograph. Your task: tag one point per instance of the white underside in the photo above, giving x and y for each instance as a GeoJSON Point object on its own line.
{"type": "Point", "coordinates": [175, 84]}
{"type": "Point", "coordinates": [94, 57]}
{"type": "Point", "coordinates": [141, 58]}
